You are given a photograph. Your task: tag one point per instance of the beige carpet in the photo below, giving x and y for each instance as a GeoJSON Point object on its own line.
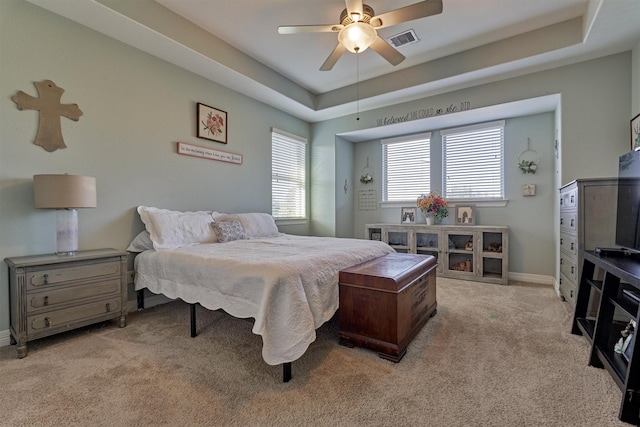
{"type": "Point", "coordinates": [492, 356]}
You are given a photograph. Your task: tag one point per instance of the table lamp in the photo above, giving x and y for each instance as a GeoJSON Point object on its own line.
{"type": "Point", "coordinates": [65, 193]}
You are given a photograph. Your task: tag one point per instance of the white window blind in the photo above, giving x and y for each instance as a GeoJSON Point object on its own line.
{"type": "Point", "coordinates": [288, 175]}
{"type": "Point", "coordinates": [406, 167]}
{"type": "Point", "coordinates": [473, 164]}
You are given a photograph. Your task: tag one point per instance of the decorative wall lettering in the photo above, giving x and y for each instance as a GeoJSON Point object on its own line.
{"type": "Point", "coordinates": [49, 134]}
{"type": "Point", "coordinates": [208, 153]}
{"type": "Point", "coordinates": [424, 113]}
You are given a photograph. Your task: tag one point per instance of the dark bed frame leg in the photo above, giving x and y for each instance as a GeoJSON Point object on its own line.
{"type": "Point", "coordinates": [193, 320]}
{"type": "Point", "coordinates": [286, 372]}
{"type": "Point", "coordinates": [140, 298]}
{"type": "Point", "coordinates": [286, 367]}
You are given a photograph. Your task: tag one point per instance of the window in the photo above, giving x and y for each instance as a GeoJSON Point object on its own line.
{"type": "Point", "coordinates": [473, 167]}
{"type": "Point", "coordinates": [406, 167]}
{"type": "Point", "coordinates": [288, 175]}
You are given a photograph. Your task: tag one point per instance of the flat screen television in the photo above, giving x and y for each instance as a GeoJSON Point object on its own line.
{"type": "Point", "coordinates": [628, 214]}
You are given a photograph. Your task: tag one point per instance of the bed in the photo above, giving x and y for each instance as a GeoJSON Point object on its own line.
{"type": "Point", "coordinates": [241, 264]}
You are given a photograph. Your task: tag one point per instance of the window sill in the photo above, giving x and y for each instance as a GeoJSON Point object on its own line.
{"type": "Point", "coordinates": [291, 221]}
{"type": "Point", "coordinates": [451, 204]}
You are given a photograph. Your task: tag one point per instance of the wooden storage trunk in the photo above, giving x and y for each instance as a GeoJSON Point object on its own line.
{"type": "Point", "coordinates": [385, 301]}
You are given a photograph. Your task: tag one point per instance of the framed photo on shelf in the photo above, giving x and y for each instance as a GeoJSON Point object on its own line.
{"type": "Point", "coordinates": [465, 215]}
{"type": "Point", "coordinates": [212, 123]}
{"type": "Point", "coordinates": [375, 235]}
{"type": "Point", "coordinates": [635, 132]}
{"type": "Point", "coordinates": [408, 216]}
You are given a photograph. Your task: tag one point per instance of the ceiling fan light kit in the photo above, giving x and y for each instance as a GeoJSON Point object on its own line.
{"type": "Point", "coordinates": [357, 37]}
{"type": "Point", "coordinates": [358, 25]}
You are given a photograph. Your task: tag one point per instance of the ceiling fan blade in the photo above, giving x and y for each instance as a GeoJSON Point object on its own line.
{"type": "Point", "coordinates": [408, 13]}
{"type": "Point", "coordinates": [387, 51]}
{"type": "Point", "coordinates": [333, 58]}
{"type": "Point", "coordinates": [354, 6]}
{"type": "Point", "coordinates": [297, 29]}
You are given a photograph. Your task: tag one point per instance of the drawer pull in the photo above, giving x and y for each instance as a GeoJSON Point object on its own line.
{"type": "Point", "coordinates": [571, 222]}
{"type": "Point", "coordinates": [46, 279]}
{"type": "Point", "coordinates": [572, 246]}
{"type": "Point", "coordinates": [108, 307]}
{"type": "Point", "coordinates": [571, 198]}
{"type": "Point", "coordinates": [572, 269]}
{"type": "Point", "coordinates": [561, 221]}
{"type": "Point", "coordinates": [561, 259]}
{"type": "Point", "coordinates": [561, 242]}
{"type": "Point", "coordinates": [46, 300]}
{"type": "Point", "coordinates": [47, 323]}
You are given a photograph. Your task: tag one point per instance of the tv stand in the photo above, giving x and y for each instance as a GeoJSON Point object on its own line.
{"type": "Point", "coordinates": [602, 332]}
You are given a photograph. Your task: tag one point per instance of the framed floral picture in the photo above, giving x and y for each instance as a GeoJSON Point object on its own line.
{"type": "Point", "coordinates": [212, 124]}
{"type": "Point", "coordinates": [635, 133]}
{"type": "Point", "coordinates": [465, 215]}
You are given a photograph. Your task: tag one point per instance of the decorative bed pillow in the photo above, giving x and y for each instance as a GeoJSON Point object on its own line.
{"type": "Point", "coordinates": [141, 242]}
{"type": "Point", "coordinates": [174, 229]}
{"type": "Point", "coordinates": [227, 231]}
{"type": "Point", "coordinates": [256, 225]}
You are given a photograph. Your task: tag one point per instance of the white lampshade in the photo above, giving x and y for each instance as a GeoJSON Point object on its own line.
{"type": "Point", "coordinates": [65, 193]}
{"type": "Point", "coordinates": [357, 37]}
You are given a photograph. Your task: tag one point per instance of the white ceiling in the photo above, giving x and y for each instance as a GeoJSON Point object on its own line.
{"type": "Point", "coordinates": [236, 43]}
{"type": "Point", "coordinates": [463, 24]}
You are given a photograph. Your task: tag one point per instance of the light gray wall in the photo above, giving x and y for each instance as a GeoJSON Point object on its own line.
{"type": "Point", "coordinates": [136, 107]}
{"type": "Point", "coordinates": [345, 185]}
{"type": "Point", "coordinates": [530, 219]}
{"type": "Point", "coordinates": [635, 84]}
{"type": "Point", "coordinates": [592, 133]}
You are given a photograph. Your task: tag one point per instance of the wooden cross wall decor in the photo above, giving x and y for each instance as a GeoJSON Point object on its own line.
{"type": "Point", "coordinates": [49, 134]}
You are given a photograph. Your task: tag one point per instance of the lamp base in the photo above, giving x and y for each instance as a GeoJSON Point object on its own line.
{"type": "Point", "coordinates": [67, 234]}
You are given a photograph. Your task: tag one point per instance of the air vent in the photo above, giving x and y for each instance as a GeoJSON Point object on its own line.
{"type": "Point", "coordinates": [403, 39]}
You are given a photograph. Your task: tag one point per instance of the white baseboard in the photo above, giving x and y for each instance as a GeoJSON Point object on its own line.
{"type": "Point", "coordinates": [5, 338]}
{"type": "Point", "coordinates": [533, 278]}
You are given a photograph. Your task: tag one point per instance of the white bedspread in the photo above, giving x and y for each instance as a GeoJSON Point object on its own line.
{"type": "Point", "coordinates": [289, 284]}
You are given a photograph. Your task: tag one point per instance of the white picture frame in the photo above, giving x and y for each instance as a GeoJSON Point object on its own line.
{"type": "Point", "coordinates": [465, 215]}
{"type": "Point", "coordinates": [408, 215]}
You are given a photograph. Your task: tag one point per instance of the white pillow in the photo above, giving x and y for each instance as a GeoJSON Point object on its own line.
{"type": "Point", "coordinates": [141, 242]}
{"type": "Point", "coordinates": [256, 225]}
{"type": "Point", "coordinates": [174, 229]}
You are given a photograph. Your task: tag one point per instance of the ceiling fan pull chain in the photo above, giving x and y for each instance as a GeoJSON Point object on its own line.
{"type": "Point", "coordinates": [357, 85]}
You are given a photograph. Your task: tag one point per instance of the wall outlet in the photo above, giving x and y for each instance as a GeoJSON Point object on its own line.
{"type": "Point", "coordinates": [130, 276]}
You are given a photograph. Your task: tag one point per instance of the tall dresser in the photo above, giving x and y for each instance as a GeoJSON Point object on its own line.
{"type": "Point", "coordinates": [587, 220]}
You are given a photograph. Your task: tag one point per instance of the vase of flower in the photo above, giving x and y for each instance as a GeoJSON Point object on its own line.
{"type": "Point", "coordinates": [430, 218]}
{"type": "Point", "coordinates": [433, 206]}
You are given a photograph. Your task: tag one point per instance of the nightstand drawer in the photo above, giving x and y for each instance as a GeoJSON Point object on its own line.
{"type": "Point", "coordinates": [49, 300]}
{"type": "Point", "coordinates": [55, 321]}
{"type": "Point", "coordinates": [36, 279]}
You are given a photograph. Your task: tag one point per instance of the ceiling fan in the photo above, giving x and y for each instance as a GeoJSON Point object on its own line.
{"type": "Point", "coordinates": [358, 25]}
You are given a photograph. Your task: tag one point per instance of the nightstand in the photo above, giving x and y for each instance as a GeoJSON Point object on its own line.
{"type": "Point", "coordinates": [49, 294]}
